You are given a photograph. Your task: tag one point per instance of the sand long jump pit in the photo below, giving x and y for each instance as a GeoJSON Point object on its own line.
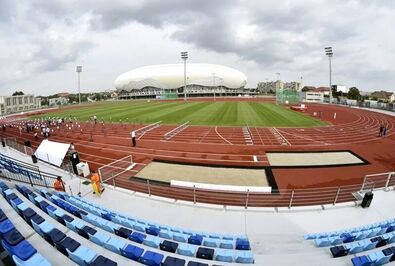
{"type": "Point", "coordinates": [165, 172]}
{"type": "Point", "coordinates": [314, 159]}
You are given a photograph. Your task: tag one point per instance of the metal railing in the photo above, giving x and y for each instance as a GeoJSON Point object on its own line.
{"type": "Point", "coordinates": [16, 170]}
{"type": "Point", "coordinates": [13, 143]}
{"type": "Point", "coordinates": [278, 198]}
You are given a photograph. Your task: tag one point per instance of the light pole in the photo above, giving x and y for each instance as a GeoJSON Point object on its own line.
{"type": "Point", "coordinates": [79, 70]}
{"type": "Point", "coordinates": [213, 84]}
{"type": "Point", "coordinates": [184, 56]}
{"type": "Point", "coordinates": [329, 53]}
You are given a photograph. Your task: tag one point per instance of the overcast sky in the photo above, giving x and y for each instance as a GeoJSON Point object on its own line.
{"type": "Point", "coordinates": [42, 41]}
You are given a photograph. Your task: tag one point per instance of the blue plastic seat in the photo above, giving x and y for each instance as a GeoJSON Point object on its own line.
{"type": "Point", "coordinates": [109, 226]}
{"type": "Point", "coordinates": [166, 234]}
{"type": "Point", "coordinates": [152, 230]}
{"type": "Point", "coordinates": [139, 227]}
{"type": "Point", "coordinates": [36, 260]}
{"type": "Point", "coordinates": [115, 245]}
{"type": "Point", "coordinates": [137, 237]}
{"type": "Point", "coordinates": [378, 258]}
{"type": "Point", "coordinates": [23, 250]}
{"type": "Point", "coordinates": [82, 255]}
{"type": "Point", "coordinates": [209, 242]}
{"type": "Point", "coordinates": [224, 255]}
{"type": "Point", "coordinates": [43, 228]}
{"type": "Point", "coordinates": [152, 241]}
{"type": "Point", "coordinates": [186, 249]}
{"type": "Point", "coordinates": [228, 244]}
{"type": "Point", "coordinates": [102, 261]}
{"type": "Point", "coordinates": [13, 237]}
{"type": "Point", "coordinates": [172, 261]}
{"type": "Point", "coordinates": [179, 237]}
{"type": "Point", "coordinates": [195, 239]}
{"type": "Point", "coordinates": [6, 226]}
{"type": "Point", "coordinates": [151, 258]}
{"type": "Point", "coordinates": [244, 257]}
{"type": "Point", "coordinates": [15, 202]}
{"type": "Point", "coordinates": [242, 244]}
{"type": "Point", "coordinates": [132, 252]}
{"type": "Point", "coordinates": [100, 238]}
{"type": "Point", "coordinates": [73, 225]}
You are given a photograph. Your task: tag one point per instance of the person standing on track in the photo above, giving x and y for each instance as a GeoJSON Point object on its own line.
{"type": "Point", "coordinates": [381, 130]}
{"type": "Point", "coordinates": [384, 131]}
{"type": "Point", "coordinates": [133, 136]}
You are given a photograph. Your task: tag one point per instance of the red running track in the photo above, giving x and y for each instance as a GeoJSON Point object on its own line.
{"type": "Point", "coordinates": [353, 129]}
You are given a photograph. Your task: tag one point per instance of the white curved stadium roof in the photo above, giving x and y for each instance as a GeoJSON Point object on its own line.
{"type": "Point", "coordinates": [171, 76]}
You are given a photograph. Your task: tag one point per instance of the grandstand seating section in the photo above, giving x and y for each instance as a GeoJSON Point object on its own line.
{"type": "Point", "coordinates": [128, 237]}
{"type": "Point", "coordinates": [360, 239]}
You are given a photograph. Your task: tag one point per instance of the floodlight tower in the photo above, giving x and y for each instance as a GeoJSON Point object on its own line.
{"type": "Point", "coordinates": [184, 56]}
{"type": "Point", "coordinates": [329, 53]}
{"type": "Point", "coordinates": [213, 74]}
{"type": "Point", "coordinates": [79, 70]}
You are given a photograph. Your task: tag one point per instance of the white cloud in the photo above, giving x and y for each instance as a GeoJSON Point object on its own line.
{"type": "Point", "coordinates": [42, 41]}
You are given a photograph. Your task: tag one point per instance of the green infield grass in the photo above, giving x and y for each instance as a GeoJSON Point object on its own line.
{"type": "Point", "coordinates": [197, 113]}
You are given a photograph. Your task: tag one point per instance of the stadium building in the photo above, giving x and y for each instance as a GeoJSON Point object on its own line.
{"type": "Point", "coordinates": [167, 81]}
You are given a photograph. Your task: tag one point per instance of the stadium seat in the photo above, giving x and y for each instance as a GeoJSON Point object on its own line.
{"type": "Point", "coordinates": [82, 255]}
{"type": "Point", "coordinates": [123, 232]}
{"type": "Point", "coordinates": [242, 244]}
{"type": "Point", "coordinates": [132, 252]}
{"type": "Point", "coordinates": [244, 257]}
{"type": "Point", "coordinates": [152, 241]}
{"type": "Point", "coordinates": [151, 258]}
{"type": "Point", "coordinates": [224, 255]}
{"type": "Point", "coordinates": [166, 234]}
{"type": "Point", "coordinates": [137, 237]}
{"type": "Point", "coordinates": [152, 230]}
{"type": "Point", "coordinates": [169, 246]}
{"type": "Point", "coordinates": [102, 261]}
{"type": "Point", "coordinates": [172, 261]}
{"type": "Point", "coordinates": [115, 245]}
{"type": "Point", "coordinates": [179, 237]}
{"type": "Point", "coordinates": [209, 242]}
{"type": "Point", "coordinates": [23, 250]}
{"type": "Point", "coordinates": [67, 245]}
{"type": "Point", "coordinates": [36, 260]}
{"type": "Point", "coordinates": [228, 244]}
{"type": "Point", "coordinates": [205, 253]}
{"type": "Point", "coordinates": [194, 263]}
{"type": "Point", "coordinates": [195, 239]}
{"type": "Point", "coordinates": [186, 249]}
{"type": "Point", "coordinates": [54, 236]}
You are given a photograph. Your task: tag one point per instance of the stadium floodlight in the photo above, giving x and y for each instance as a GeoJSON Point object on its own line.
{"type": "Point", "coordinates": [213, 84]}
{"type": "Point", "coordinates": [79, 70]}
{"type": "Point", "coordinates": [184, 56]}
{"type": "Point", "coordinates": [329, 53]}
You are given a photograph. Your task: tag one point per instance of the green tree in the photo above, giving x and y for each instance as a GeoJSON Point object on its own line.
{"type": "Point", "coordinates": [354, 94]}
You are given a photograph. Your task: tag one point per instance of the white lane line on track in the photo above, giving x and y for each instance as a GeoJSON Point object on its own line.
{"type": "Point", "coordinates": [216, 131]}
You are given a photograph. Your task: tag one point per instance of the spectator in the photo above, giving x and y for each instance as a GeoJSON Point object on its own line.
{"type": "Point", "coordinates": [59, 184]}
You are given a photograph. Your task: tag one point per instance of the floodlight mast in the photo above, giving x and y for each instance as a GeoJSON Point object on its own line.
{"type": "Point", "coordinates": [79, 70]}
{"type": "Point", "coordinates": [329, 53]}
{"type": "Point", "coordinates": [184, 56]}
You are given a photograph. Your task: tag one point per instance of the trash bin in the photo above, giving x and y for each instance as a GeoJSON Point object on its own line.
{"type": "Point", "coordinates": [367, 199]}
{"type": "Point", "coordinates": [34, 158]}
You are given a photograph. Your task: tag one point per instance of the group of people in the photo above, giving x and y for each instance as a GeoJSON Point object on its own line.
{"type": "Point", "coordinates": [60, 185]}
{"type": "Point", "coordinates": [382, 131]}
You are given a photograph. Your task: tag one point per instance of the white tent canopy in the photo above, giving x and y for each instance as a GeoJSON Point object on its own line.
{"type": "Point", "coordinates": [52, 152]}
